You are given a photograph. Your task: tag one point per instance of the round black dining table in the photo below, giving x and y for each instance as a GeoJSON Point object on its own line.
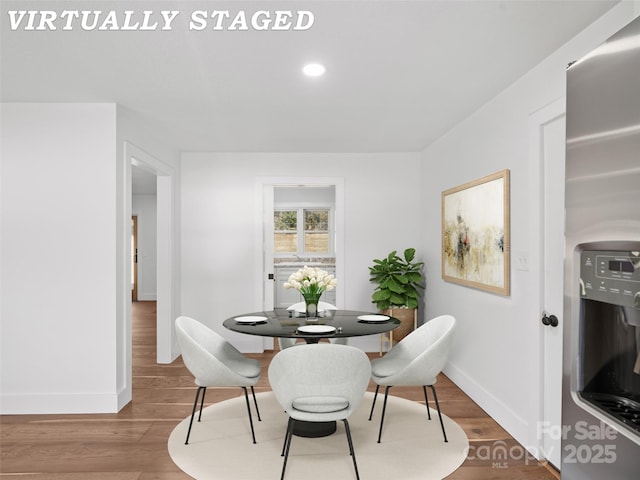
{"type": "Point", "coordinates": [327, 324]}
{"type": "Point", "coordinates": [291, 324]}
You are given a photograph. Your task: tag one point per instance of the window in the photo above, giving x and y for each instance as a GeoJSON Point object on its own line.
{"type": "Point", "coordinates": [285, 224]}
{"type": "Point", "coordinates": [316, 231]}
{"type": "Point", "coordinates": [303, 231]}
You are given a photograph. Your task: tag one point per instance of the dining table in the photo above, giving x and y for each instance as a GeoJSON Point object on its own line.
{"type": "Point", "coordinates": [282, 322]}
{"type": "Point", "coordinates": [326, 324]}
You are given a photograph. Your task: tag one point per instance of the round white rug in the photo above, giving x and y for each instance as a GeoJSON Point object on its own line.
{"type": "Point", "coordinates": [220, 446]}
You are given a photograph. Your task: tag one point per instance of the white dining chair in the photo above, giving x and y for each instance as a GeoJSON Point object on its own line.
{"type": "Point", "coordinates": [319, 383]}
{"type": "Point", "coordinates": [415, 360]}
{"type": "Point", "coordinates": [214, 362]}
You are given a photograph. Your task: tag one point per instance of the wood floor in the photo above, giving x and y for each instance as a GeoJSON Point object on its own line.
{"type": "Point", "coordinates": [132, 444]}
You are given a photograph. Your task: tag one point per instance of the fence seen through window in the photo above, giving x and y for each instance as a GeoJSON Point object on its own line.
{"type": "Point", "coordinates": [301, 231]}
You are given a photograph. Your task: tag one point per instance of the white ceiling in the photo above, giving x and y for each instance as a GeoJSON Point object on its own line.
{"type": "Point", "coordinates": [399, 73]}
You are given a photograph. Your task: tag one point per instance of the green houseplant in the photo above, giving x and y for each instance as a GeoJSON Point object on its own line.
{"type": "Point", "coordinates": [399, 283]}
{"type": "Point", "coordinates": [398, 280]}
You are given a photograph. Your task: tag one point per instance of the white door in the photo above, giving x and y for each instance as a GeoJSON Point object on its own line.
{"type": "Point", "coordinates": [553, 136]}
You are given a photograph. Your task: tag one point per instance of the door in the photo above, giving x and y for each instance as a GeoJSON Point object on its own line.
{"type": "Point", "coordinates": [553, 167]}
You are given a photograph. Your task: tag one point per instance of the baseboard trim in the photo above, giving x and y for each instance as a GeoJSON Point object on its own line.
{"type": "Point", "coordinates": [513, 423]}
{"type": "Point", "coordinates": [56, 404]}
{"type": "Point", "coordinates": [124, 397]}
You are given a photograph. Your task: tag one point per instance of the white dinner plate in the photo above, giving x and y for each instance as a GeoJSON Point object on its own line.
{"type": "Point", "coordinates": [373, 318]}
{"type": "Point", "coordinates": [316, 329]}
{"type": "Point", "coordinates": [250, 319]}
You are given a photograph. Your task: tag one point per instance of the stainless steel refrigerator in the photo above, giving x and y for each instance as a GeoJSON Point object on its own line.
{"type": "Point", "coordinates": [601, 345]}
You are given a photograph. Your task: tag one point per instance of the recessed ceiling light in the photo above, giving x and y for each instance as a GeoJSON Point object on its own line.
{"type": "Point", "coordinates": [313, 70]}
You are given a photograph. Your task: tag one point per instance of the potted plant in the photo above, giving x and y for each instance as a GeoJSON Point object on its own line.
{"type": "Point", "coordinates": [399, 281]}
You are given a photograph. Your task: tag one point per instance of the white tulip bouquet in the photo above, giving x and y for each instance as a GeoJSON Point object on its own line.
{"type": "Point", "coordinates": [311, 281]}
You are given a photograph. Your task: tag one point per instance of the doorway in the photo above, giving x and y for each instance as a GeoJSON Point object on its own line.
{"type": "Point", "coordinates": [265, 249]}
{"type": "Point", "coordinates": [161, 175]}
{"type": "Point", "coordinates": [303, 234]}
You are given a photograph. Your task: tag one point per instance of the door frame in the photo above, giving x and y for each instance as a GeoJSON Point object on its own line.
{"type": "Point", "coordinates": [165, 337]}
{"type": "Point", "coordinates": [545, 434]}
{"type": "Point", "coordinates": [263, 254]}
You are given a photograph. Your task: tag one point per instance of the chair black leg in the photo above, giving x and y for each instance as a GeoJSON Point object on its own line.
{"type": "Point", "coordinates": [286, 435]}
{"type": "Point", "coordinates": [439, 414]}
{"type": "Point", "coordinates": [374, 402]}
{"type": "Point", "coordinates": [246, 397]}
{"type": "Point", "coordinates": [384, 408]}
{"type": "Point", "coordinates": [287, 442]}
{"type": "Point", "coordinates": [204, 391]}
{"type": "Point", "coordinates": [253, 392]}
{"type": "Point", "coordinates": [193, 413]}
{"type": "Point", "coordinates": [426, 401]}
{"type": "Point", "coordinates": [351, 451]}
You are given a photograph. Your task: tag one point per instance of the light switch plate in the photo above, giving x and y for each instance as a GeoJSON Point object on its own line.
{"type": "Point", "coordinates": [522, 261]}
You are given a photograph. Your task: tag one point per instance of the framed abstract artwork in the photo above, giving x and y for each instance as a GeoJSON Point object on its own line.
{"type": "Point", "coordinates": [475, 234]}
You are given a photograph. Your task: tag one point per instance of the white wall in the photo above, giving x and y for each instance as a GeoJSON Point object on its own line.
{"type": "Point", "coordinates": [145, 207]}
{"type": "Point", "coordinates": [496, 351]}
{"type": "Point", "coordinates": [58, 258]}
{"type": "Point", "coordinates": [65, 313]}
{"type": "Point", "coordinates": [292, 195]}
{"type": "Point", "coordinates": [220, 216]}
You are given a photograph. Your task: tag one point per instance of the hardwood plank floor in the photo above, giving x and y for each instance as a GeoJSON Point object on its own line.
{"type": "Point", "coordinates": [132, 444]}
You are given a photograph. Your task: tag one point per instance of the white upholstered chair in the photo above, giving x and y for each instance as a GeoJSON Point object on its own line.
{"type": "Point", "coordinates": [299, 307]}
{"type": "Point", "coordinates": [319, 383]}
{"type": "Point", "coordinates": [415, 360]}
{"type": "Point", "coordinates": [214, 362]}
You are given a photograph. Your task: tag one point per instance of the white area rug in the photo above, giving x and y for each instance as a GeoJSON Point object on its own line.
{"type": "Point", "coordinates": [220, 446]}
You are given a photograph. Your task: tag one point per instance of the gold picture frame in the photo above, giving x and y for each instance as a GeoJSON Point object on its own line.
{"type": "Point", "coordinates": [475, 234]}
